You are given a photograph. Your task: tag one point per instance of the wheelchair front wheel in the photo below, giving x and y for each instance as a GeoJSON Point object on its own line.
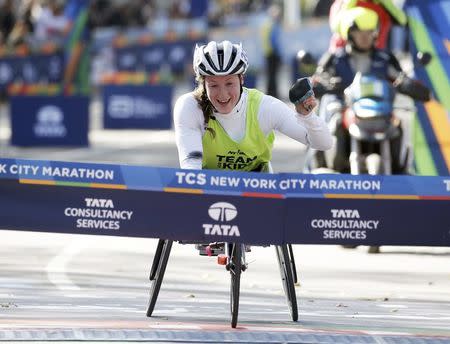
{"type": "Point", "coordinates": [235, 268]}
{"type": "Point", "coordinates": [287, 278]}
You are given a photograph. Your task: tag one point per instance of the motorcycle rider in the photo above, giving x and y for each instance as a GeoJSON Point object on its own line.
{"type": "Point", "coordinates": [336, 71]}
{"type": "Point", "coordinates": [388, 13]}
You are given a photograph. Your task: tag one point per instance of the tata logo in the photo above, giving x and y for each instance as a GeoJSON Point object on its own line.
{"type": "Point", "coordinates": [99, 203]}
{"type": "Point", "coordinates": [50, 122]}
{"type": "Point", "coordinates": [345, 213]}
{"type": "Point", "coordinates": [50, 114]}
{"type": "Point", "coordinates": [447, 184]}
{"type": "Point", "coordinates": [222, 212]}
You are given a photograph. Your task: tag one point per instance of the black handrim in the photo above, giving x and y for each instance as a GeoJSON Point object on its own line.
{"type": "Point", "coordinates": [235, 272]}
{"type": "Point", "coordinates": [292, 260]}
{"type": "Point", "coordinates": [159, 275]}
{"type": "Point", "coordinates": [156, 259]}
{"type": "Point", "coordinates": [287, 279]}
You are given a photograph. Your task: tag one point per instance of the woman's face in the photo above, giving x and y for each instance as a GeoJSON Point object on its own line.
{"type": "Point", "coordinates": [223, 91]}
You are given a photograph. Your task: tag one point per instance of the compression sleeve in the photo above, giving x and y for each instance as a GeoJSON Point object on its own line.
{"type": "Point", "coordinates": [188, 122]}
{"type": "Point", "coordinates": [310, 130]}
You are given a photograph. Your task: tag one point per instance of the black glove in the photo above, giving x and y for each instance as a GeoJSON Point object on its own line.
{"type": "Point", "coordinates": [333, 85]}
{"type": "Point", "coordinates": [319, 89]}
{"type": "Point", "coordinates": [300, 91]}
{"type": "Point", "coordinates": [337, 86]}
{"type": "Point", "coordinates": [413, 88]}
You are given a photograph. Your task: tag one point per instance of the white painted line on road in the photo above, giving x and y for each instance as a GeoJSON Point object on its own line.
{"type": "Point", "coordinates": [175, 327]}
{"type": "Point", "coordinates": [387, 333]}
{"type": "Point", "coordinates": [378, 316]}
{"type": "Point", "coordinates": [87, 296]}
{"type": "Point", "coordinates": [392, 306]}
{"type": "Point", "coordinates": [175, 310]}
{"type": "Point", "coordinates": [56, 268]}
{"type": "Point", "coordinates": [278, 329]}
{"type": "Point", "coordinates": [386, 316]}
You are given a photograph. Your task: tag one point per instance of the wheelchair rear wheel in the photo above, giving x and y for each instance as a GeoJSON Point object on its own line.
{"type": "Point", "coordinates": [156, 259]}
{"type": "Point", "coordinates": [285, 262]}
{"type": "Point", "coordinates": [158, 269]}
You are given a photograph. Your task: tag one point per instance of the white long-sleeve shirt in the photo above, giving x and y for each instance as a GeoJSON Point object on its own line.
{"type": "Point", "coordinates": [273, 115]}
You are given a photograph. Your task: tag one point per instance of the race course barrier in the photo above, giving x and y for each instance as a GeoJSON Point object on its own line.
{"type": "Point", "coordinates": [49, 120]}
{"type": "Point", "coordinates": [255, 208]}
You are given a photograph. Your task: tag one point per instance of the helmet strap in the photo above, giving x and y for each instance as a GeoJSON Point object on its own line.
{"type": "Point", "coordinates": [241, 86]}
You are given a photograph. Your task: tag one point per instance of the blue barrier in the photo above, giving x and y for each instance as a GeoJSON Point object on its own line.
{"type": "Point", "coordinates": [150, 57]}
{"type": "Point", "coordinates": [49, 120]}
{"type": "Point", "coordinates": [31, 69]}
{"type": "Point", "coordinates": [137, 106]}
{"type": "Point", "coordinates": [254, 208]}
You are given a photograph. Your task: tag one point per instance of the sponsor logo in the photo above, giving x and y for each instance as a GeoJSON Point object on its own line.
{"type": "Point", "coordinates": [6, 73]}
{"type": "Point", "coordinates": [29, 72]}
{"type": "Point", "coordinates": [345, 224]}
{"type": "Point", "coordinates": [55, 67]}
{"type": "Point", "coordinates": [49, 122]}
{"type": "Point", "coordinates": [98, 213]}
{"type": "Point", "coordinates": [154, 56]}
{"type": "Point", "coordinates": [447, 184]}
{"type": "Point", "coordinates": [177, 54]}
{"type": "Point", "coordinates": [127, 60]}
{"type": "Point", "coordinates": [222, 213]}
{"type": "Point", "coordinates": [123, 107]}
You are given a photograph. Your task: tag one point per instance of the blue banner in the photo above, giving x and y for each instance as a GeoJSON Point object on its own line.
{"type": "Point", "coordinates": [49, 120]}
{"type": "Point", "coordinates": [199, 9]}
{"type": "Point", "coordinates": [254, 208]}
{"type": "Point", "coordinates": [31, 69]}
{"type": "Point", "coordinates": [174, 56]}
{"type": "Point", "coordinates": [137, 107]}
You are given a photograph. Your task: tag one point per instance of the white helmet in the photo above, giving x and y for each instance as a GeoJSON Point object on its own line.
{"type": "Point", "coordinates": [224, 58]}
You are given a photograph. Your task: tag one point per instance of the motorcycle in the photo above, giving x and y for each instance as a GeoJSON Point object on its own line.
{"type": "Point", "coordinates": [369, 136]}
{"type": "Point", "coordinates": [375, 133]}
{"type": "Point", "coordinates": [361, 116]}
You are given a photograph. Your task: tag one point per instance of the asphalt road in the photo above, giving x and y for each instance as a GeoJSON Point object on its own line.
{"type": "Point", "coordinates": [51, 283]}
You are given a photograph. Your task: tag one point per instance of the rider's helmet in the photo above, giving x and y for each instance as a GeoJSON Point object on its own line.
{"type": "Point", "coordinates": [358, 18]}
{"type": "Point", "coordinates": [220, 58]}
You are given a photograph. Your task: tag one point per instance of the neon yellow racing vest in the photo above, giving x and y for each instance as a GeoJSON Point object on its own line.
{"type": "Point", "coordinates": [252, 153]}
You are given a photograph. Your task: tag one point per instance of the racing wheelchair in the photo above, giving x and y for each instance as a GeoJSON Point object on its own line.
{"type": "Point", "coordinates": [235, 263]}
